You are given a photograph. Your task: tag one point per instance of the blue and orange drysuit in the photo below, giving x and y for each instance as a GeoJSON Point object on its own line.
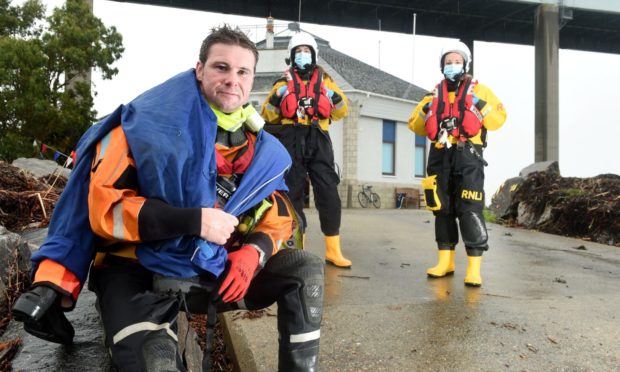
{"type": "Point", "coordinates": [152, 167]}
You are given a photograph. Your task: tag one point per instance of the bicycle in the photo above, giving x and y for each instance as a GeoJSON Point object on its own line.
{"type": "Point", "coordinates": [367, 196]}
{"type": "Point", "coordinates": [401, 200]}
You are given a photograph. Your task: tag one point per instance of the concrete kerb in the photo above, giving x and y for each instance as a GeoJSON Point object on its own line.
{"type": "Point", "coordinates": [247, 350]}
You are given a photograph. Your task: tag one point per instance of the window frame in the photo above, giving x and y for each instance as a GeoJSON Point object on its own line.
{"type": "Point", "coordinates": [391, 142]}
{"type": "Point", "coordinates": [422, 146]}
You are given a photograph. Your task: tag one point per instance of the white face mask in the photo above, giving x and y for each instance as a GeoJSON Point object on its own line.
{"type": "Point", "coordinates": [452, 71]}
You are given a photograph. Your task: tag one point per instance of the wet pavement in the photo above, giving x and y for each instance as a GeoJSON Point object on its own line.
{"type": "Point", "coordinates": [86, 354]}
{"type": "Point", "coordinates": [546, 303]}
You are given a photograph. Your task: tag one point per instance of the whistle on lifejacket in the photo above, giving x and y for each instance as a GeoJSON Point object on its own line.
{"type": "Point", "coordinates": [254, 121]}
{"type": "Point", "coordinates": [442, 140]}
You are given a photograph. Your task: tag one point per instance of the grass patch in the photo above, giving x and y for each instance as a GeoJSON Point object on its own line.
{"type": "Point", "coordinates": [489, 216]}
{"type": "Point", "coordinates": [573, 192]}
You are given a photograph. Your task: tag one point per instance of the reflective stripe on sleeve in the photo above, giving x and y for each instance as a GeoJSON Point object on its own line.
{"type": "Point", "coordinates": [119, 229]}
{"type": "Point", "coordinates": [104, 145]}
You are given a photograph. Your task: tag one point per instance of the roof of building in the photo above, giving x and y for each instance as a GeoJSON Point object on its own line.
{"type": "Point", "coordinates": [355, 74]}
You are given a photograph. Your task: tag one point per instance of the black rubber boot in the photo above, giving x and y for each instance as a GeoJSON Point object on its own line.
{"type": "Point", "coordinates": [299, 360]}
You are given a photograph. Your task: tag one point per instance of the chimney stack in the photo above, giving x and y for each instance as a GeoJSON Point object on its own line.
{"type": "Point", "coordinates": [269, 35]}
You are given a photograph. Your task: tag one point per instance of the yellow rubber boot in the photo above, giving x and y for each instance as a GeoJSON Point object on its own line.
{"type": "Point", "coordinates": [472, 276]}
{"type": "Point", "coordinates": [333, 255]}
{"type": "Point", "coordinates": [445, 264]}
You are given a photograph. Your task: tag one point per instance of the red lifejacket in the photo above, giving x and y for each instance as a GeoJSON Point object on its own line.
{"type": "Point", "coordinates": [242, 159]}
{"type": "Point", "coordinates": [467, 115]}
{"type": "Point", "coordinates": [314, 90]}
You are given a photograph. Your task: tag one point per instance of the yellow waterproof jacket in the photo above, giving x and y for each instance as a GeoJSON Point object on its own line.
{"type": "Point", "coordinates": [272, 114]}
{"type": "Point", "coordinates": [494, 114]}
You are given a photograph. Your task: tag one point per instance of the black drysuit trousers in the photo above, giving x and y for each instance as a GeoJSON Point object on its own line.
{"type": "Point", "coordinates": [460, 187]}
{"type": "Point", "coordinates": [141, 326]}
{"type": "Point", "coordinates": [311, 149]}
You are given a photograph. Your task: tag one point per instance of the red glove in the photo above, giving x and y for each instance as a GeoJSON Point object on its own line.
{"type": "Point", "coordinates": [243, 264]}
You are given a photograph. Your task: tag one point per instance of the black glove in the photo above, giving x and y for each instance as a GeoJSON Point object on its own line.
{"type": "Point", "coordinates": [275, 100]}
{"type": "Point", "coordinates": [336, 98]}
{"type": "Point", "coordinates": [39, 309]}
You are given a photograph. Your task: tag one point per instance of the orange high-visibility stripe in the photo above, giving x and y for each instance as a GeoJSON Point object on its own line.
{"type": "Point", "coordinates": [113, 212]}
{"type": "Point", "coordinates": [53, 272]}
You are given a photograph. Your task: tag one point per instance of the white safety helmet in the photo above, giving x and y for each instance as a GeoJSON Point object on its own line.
{"type": "Point", "coordinates": [456, 47]}
{"type": "Point", "coordinates": [302, 38]}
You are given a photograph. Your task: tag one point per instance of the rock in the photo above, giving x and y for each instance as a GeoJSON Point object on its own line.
{"type": "Point", "coordinates": [549, 166]}
{"type": "Point", "coordinates": [14, 253]}
{"type": "Point", "coordinates": [526, 216]}
{"type": "Point", "coordinates": [502, 201]}
{"type": "Point", "coordinates": [3, 299]}
{"type": "Point", "coordinates": [40, 167]}
{"type": "Point", "coordinates": [188, 344]}
{"type": "Point", "coordinates": [546, 215]}
{"type": "Point", "coordinates": [34, 237]}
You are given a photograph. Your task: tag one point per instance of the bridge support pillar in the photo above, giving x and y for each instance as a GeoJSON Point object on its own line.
{"type": "Point", "coordinates": [546, 48]}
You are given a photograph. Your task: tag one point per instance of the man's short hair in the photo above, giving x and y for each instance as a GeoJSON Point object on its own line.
{"type": "Point", "coordinates": [225, 34]}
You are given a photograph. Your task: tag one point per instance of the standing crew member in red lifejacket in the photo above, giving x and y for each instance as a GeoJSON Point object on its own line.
{"type": "Point", "coordinates": [455, 117]}
{"type": "Point", "coordinates": [303, 104]}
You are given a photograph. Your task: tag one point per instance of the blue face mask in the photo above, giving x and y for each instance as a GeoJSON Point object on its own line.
{"type": "Point", "coordinates": [302, 59]}
{"type": "Point", "coordinates": [452, 71]}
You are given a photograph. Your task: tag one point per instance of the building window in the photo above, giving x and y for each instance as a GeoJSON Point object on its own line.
{"type": "Point", "coordinates": [389, 147]}
{"type": "Point", "coordinates": [420, 156]}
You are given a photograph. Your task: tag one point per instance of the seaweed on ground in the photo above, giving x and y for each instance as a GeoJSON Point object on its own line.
{"type": "Point", "coordinates": [26, 201]}
{"type": "Point", "coordinates": [587, 208]}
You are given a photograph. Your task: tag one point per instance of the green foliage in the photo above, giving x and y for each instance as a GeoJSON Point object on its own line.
{"type": "Point", "coordinates": [573, 192]}
{"type": "Point", "coordinates": [44, 92]}
{"type": "Point", "coordinates": [489, 216]}
{"type": "Point", "coordinates": [13, 146]}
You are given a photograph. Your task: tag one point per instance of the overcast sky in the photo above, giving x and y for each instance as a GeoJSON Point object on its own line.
{"type": "Point", "coordinates": [160, 42]}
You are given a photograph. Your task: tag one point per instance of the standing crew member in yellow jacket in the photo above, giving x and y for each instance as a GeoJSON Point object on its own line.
{"type": "Point", "coordinates": [456, 117]}
{"type": "Point", "coordinates": [302, 104]}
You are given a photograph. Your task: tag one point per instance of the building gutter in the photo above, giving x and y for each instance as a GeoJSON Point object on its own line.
{"type": "Point", "coordinates": [357, 91]}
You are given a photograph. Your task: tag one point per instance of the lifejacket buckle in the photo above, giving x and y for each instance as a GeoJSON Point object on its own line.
{"type": "Point", "coordinates": [305, 102]}
{"type": "Point", "coordinates": [448, 124]}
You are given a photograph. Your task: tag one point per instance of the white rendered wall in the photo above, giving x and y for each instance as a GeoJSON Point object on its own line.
{"type": "Point", "coordinates": [271, 60]}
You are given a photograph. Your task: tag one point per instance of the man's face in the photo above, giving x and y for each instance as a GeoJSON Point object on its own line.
{"type": "Point", "coordinates": [227, 76]}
